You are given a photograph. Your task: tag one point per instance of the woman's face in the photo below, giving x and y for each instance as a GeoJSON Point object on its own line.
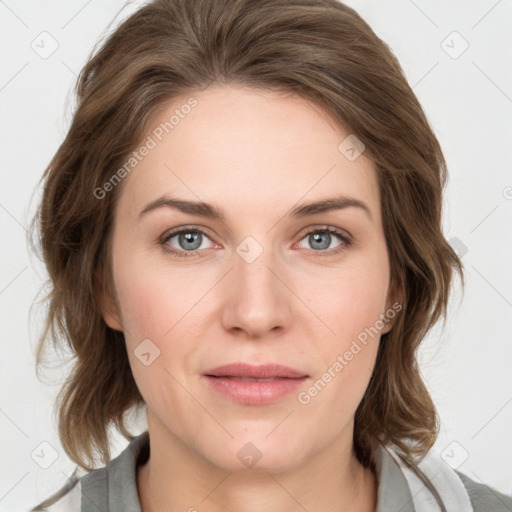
{"type": "Point", "coordinates": [263, 285]}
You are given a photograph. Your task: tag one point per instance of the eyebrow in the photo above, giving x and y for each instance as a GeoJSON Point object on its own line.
{"type": "Point", "coordinates": [210, 211]}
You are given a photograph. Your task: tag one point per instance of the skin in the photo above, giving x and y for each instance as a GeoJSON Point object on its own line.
{"type": "Point", "coordinates": [256, 155]}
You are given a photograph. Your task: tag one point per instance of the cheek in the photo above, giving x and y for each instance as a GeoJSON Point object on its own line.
{"type": "Point", "coordinates": [145, 312]}
{"type": "Point", "coordinates": [159, 304]}
{"type": "Point", "coordinates": [154, 312]}
{"type": "Point", "coordinates": [350, 298]}
{"type": "Point", "coordinates": [153, 296]}
{"type": "Point", "coordinates": [350, 303]}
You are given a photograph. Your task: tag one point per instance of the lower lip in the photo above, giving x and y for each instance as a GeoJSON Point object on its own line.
{"type": "Point", "coordinates": [253, 392]}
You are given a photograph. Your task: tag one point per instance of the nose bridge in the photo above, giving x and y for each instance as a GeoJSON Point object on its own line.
{"type": "Point", "coordinates": [253, 276]}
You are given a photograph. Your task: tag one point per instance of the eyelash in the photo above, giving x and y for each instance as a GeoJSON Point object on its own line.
{"type": "Point", "coordinates": [345, 240]}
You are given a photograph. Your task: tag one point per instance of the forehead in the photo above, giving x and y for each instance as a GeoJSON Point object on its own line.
{"type": "Point", "coordinates": [248, 150]}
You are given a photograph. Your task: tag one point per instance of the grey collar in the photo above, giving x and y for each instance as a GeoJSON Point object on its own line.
{"type": "Point", "coordinates": [393, 494]}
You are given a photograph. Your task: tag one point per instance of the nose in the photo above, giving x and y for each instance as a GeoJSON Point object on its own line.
{"type": "Point", "coordinates": [257, 300]}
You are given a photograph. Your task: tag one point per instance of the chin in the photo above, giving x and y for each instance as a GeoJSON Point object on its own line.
{"type": "Point", "coordinates": [256, 454]}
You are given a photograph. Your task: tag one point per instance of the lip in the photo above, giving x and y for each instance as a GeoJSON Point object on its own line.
{"type": "Point", "coordinates": [227, 380]}
{"type": "Point", "coordinates": [264, 371]}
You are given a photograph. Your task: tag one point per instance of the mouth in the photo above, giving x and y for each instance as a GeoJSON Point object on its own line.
{"type": "Point", "coordinates": [262, 372]}
{"type": "Point", "coordinates": [254, 385]}
{"type": "Point", "coordinates": [245, 379]}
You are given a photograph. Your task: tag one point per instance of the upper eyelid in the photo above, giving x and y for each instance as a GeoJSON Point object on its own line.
{"type": "Point", "coordinates": [177, 231]}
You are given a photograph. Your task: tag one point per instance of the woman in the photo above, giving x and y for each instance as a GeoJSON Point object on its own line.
{"type": "Point", "coordinates": [243, 234]}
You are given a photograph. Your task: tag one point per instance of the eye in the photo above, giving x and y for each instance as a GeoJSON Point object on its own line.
{"type": "Point", "coordinates": [188, 240]}
{"type": "Point", "coordinates": [320, 240]}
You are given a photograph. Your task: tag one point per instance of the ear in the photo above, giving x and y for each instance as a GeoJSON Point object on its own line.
{"type": "Point", "coordinates": [108, 304]}
{"type": "Point", "coordinates": [394, 304]}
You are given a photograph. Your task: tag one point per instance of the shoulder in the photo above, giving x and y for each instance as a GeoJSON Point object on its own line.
{"type": "Point", "coordinates": [66, 499]}
{"type": "Point", "coordinates": [93, 490]}
{"type": "Point", "coordinates": [455, 490]}
{"type": "Point", "coordinates": [483, 497]}
{"type": "Point", "coordinates": [71, 497]}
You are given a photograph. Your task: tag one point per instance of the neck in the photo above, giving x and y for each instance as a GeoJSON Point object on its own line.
{"type": "Point", "coordinates": [177, 478]}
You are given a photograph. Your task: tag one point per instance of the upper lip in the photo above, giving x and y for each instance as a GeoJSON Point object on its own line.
{"type": "Point", "coordinates": [265, 371]}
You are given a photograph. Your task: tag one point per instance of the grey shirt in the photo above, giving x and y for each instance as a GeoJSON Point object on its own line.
{"type": "Point", "coordinates": [113, 488]}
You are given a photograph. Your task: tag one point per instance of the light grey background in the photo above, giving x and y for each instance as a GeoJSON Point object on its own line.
{"type": "Point", "coordinates": [468, 99]}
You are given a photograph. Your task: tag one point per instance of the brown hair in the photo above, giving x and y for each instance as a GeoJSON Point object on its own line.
{"type": "Point", "coordinates": [320, 50]}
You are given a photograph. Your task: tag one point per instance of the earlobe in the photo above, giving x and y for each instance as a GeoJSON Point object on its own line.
{"type": "Point", "coordinates": [388, 324]}
{"type": "Point", "coordinates": [394, 305]}
{"type": "Point", "coordinates": [108, 305]}
{"type": "Point", "coordinates": [111, 317]}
